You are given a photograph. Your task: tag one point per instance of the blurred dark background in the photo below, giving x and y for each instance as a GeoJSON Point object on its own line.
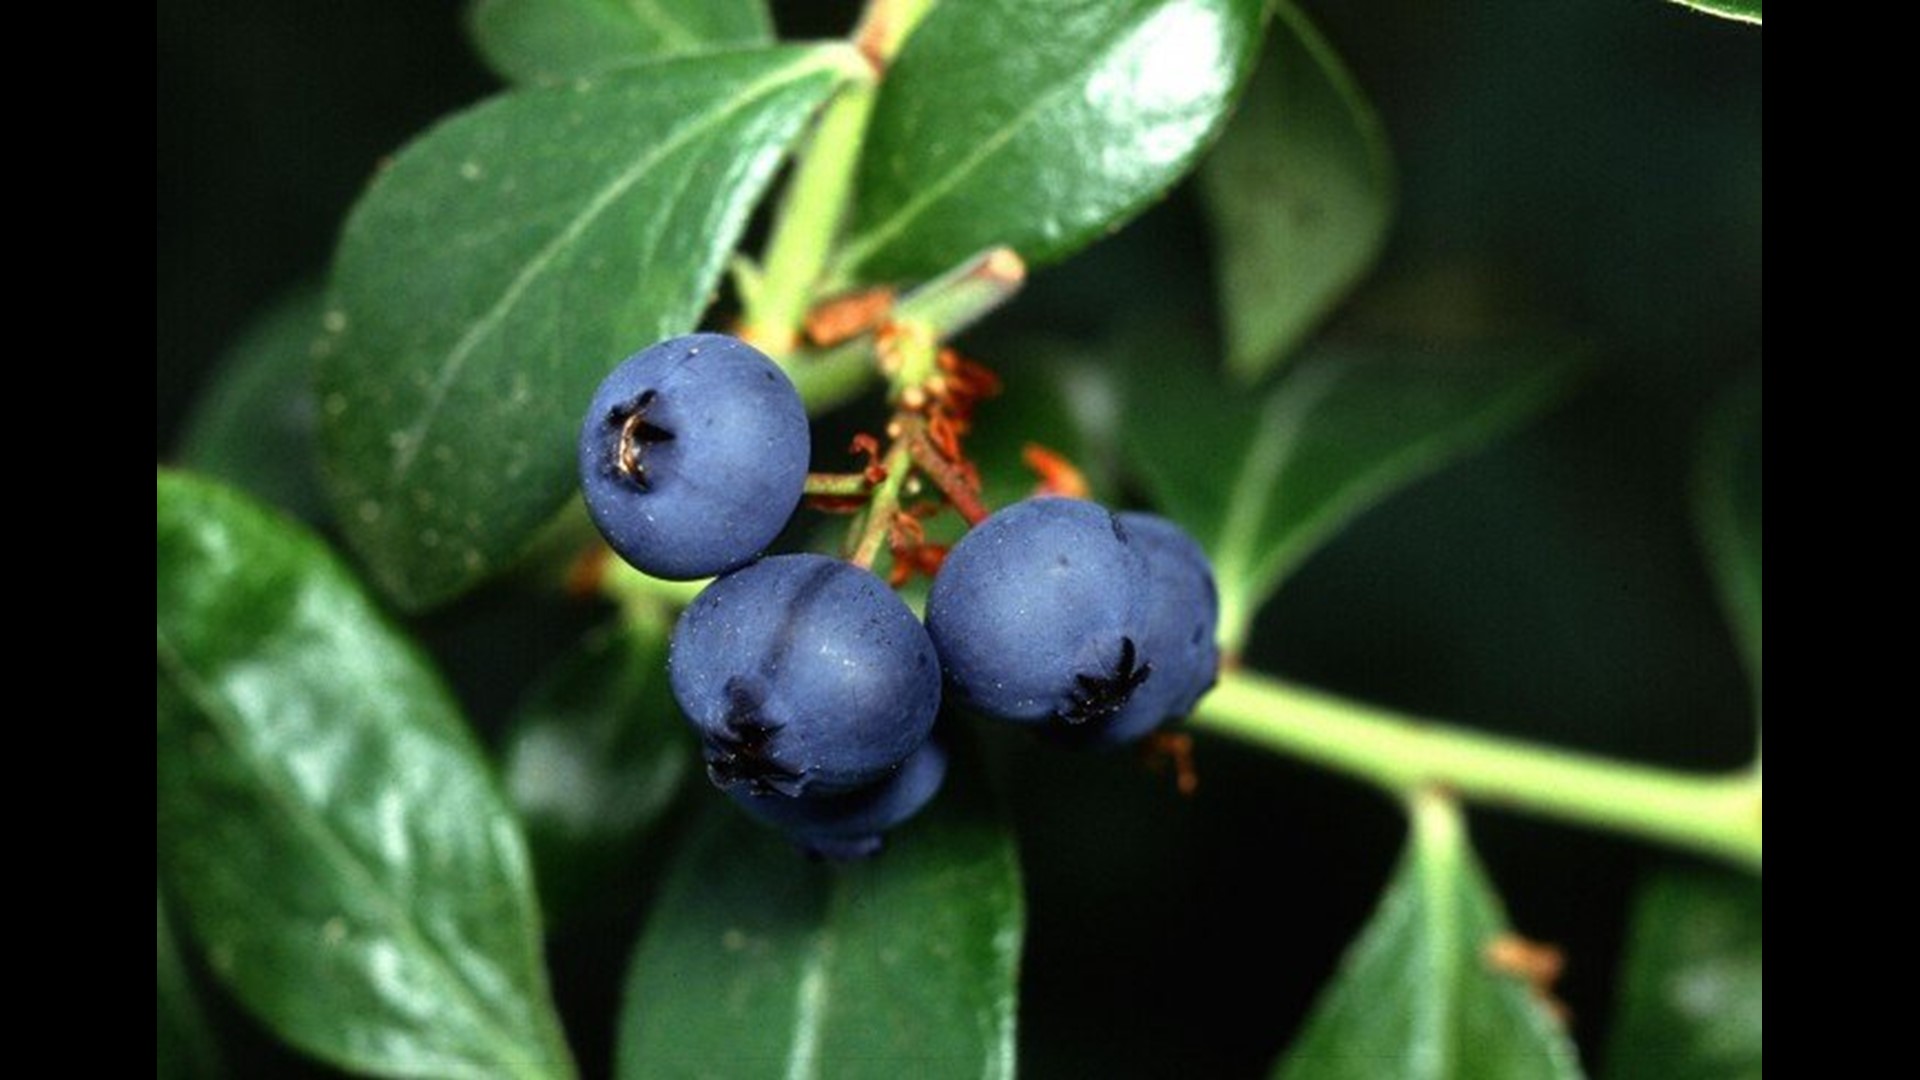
{"type": "Point", "coordinates": [1581, 167]}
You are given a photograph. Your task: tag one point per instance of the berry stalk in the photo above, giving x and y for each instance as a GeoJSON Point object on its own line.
{"type": "Point", "coordinates": [910, 356]}
{"type": "Point", "coordinates": [877, 525]}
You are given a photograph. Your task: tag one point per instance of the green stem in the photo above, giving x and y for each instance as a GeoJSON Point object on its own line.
{"type": "Point", "coordinates": [937, 310]}
{"type": "Point", "coordinates": [809, 221]}
{"type": "Point", "coordinates": [965, 294]}
{"type": "Point", "coordinates": [885, 501]}
{"type": "Point", "coordinates": [816, 202]}
{"type": "Point", "coordinates": [885, 26]}
{"type": "Point", "coordinates": [909, 356]}
{"type": "Point", "coordinates": [832, 377]}
{"type": "Point", "coordinates": [1714, 814]}
{"type": "Point", "coordinates": [1437, 827]}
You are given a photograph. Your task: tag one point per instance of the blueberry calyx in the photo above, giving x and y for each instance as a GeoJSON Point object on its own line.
{"type": "Point", "coordinates": [740, 753]}
{"type": "Point", "coordinates": [636, 434]}
{"type": "Point", "coordinates": [1099, 697]}
{"type": "Point", "coordinates": [693, 455]}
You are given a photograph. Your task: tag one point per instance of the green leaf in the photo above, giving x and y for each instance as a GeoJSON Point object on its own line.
{"type": "Point", "coordinates": [1040, 124]}
{"type": "Point", "coordinates": [1726, 494]}
{"type": "Point", "coordinates": [1690, 994]}
{"type": "Point", "coordinates": [756, 962]}
{"type": "Point", "coordinates": [256, 426]}
{"type": "Point", "coordinates": [553, 40]}
{"type": "Point", "coordinates": [1263, 480]}
{"type": "Point", "coordinates": [594, 758]}
{"type": "Point", "coordinates": [326, 822]}
{"type": "Point", "coordinates": [1416, 997]}
{"type": "Point", "coordinates": [1741, 10]}
{"type": "Point", "coordinates": [503, 264]}
{"type": "Point", "coordinates": [186, 1046]}
{"type": "Point", "coordinates": [1300, 191]}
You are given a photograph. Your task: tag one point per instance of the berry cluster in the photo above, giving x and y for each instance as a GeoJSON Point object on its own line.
{"type": "Point", "coordinates": [813, 687]}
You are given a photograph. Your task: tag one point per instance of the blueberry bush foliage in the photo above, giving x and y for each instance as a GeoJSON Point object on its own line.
{"type": "Point", "coordinates": [367, 867]}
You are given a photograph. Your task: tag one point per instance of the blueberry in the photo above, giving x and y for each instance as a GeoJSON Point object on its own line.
{"type": "Point", "coordinates": [803, 675]}
{"type": "Point", "coordinates": [1038, 614]}
{"type": "Point", "coordinates": [852, 825]}
{"type": "Point", "coordinates": [693, 456]}
{"type": "Point", "coordinates": [1182, 619]}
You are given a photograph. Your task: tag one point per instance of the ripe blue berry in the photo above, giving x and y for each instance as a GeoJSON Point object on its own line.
{"type": "Point", "coordinates": [853, 825]}
{"type": "Point", "coordinates": [1182, 617]}
{"type": "Point", "coordinates": [1038, 614]}
{"type": "Point", "coordinates": [693, 456]}
{"type": "Point", "coordinates": [803, 675]}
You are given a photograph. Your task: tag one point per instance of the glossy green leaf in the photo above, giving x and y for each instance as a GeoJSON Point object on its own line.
{"type": "Point", "coordinates": [594, 758]}
{"type": "Point", "coordinates": [326, 822]}
{"type": "Point", "coordinates": [186, 1047]}
{"type": "Point", "coordinates": [1742, 10]}
{"type": "Point", "coordinates": [256, 425]}
{"type": "Point", "coordinates": [1300, 191]}
{"type": "Point", "coordinates": [552, 40]}
{"type": "Point", "coordinates": [758, 963]}
{"type": "Point", "coordinates": [1727, 509]}
{"type": "Point", "coordinates": [503, 264]}
{"type": "Point", "coordinates": [1416, 997]}
{"type": "Point", "coordinates": [1263, 480]}
{"type": "Point", "coordinates": [1040, 124]}
{"type": "Point", "coordinates": [1690, 1002]}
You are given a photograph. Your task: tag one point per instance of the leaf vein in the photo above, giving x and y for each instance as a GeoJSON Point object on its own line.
{"type": "Point", "coordinates": [810, 1011]}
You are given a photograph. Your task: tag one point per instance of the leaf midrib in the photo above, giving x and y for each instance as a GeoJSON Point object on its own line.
{"type": "Point", "coordinates": [1438, 892]}
{"type": "Point", "coordinates": [863, 247]}
{"type": "Point", "coordinates": [812, 1000]}
{"type": "Point", "coordinates": [1275, 435]}
{"type": "Point", "coordinates": [413, 438]}
{"type": "Point", "coordinates": [341, 856]}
